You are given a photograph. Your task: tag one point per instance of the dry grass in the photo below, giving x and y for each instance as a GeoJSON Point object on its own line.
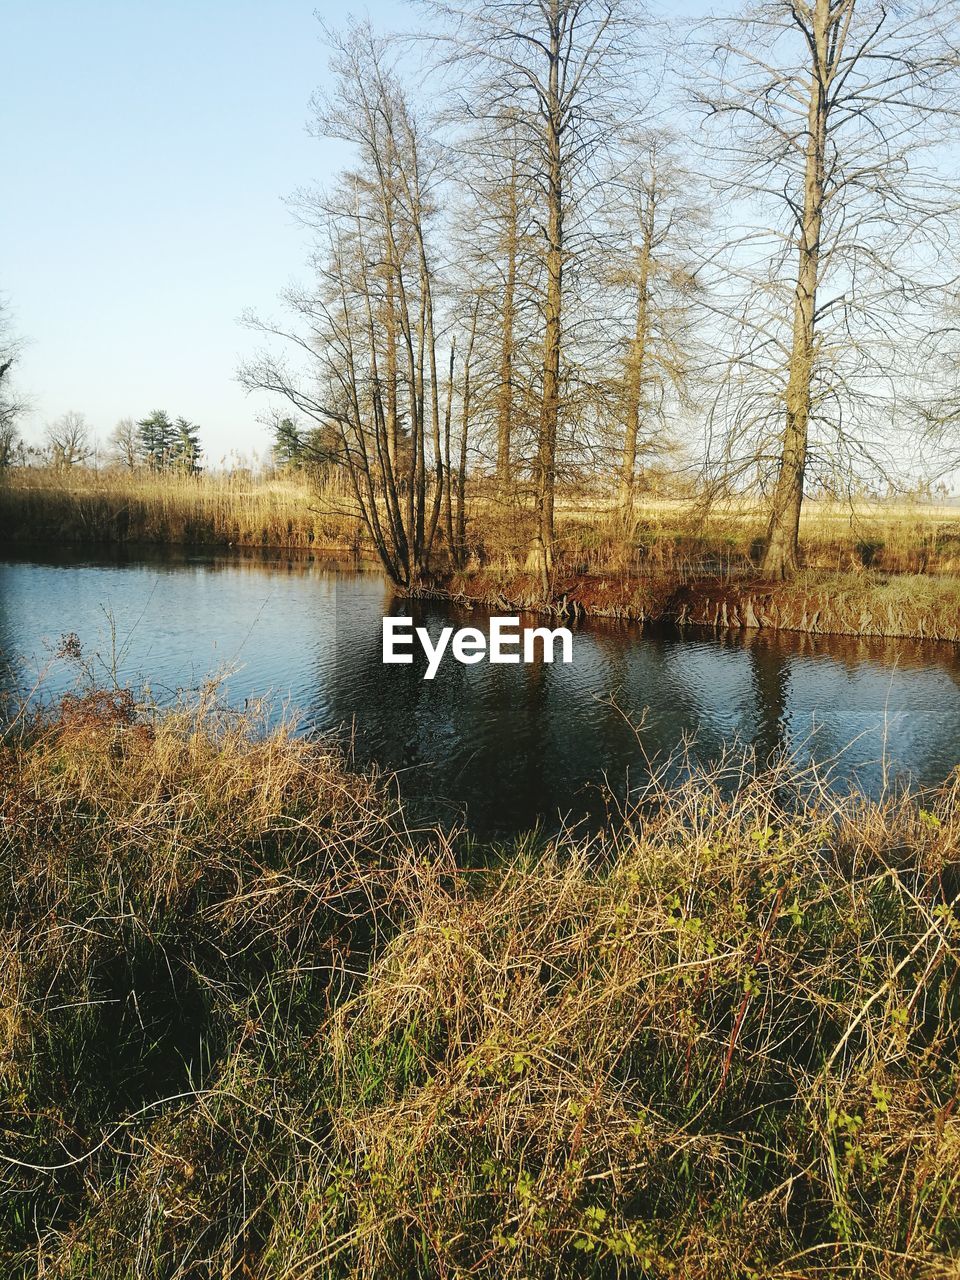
{"type": "Point", "coordinates": [673, 535]}
{"type": "Point", "coordinates": [917, 606]}
{"type": "Point", "coordinates": [668, 535]}
{"type": "Point", "coordinates": [81, 506]}
{"type": "Point", "coordinates": [860, 604]}
{"type": "Point", "coordinates": [254, 1027]}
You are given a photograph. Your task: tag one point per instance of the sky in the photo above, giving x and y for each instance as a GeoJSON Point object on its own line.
{"type": "Point", "coordinates": [148, 147]}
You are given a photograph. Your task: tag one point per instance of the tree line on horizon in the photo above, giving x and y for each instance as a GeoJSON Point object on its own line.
{"type": "Point", "coordinates": [155, 443]}
{"type": "Point", "coordinates": [571, 237]}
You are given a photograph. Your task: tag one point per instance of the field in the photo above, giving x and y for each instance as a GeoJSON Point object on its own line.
{"type": "Point", "coordinates": [253, 1025]}
{"type": "Point", "coordinates": [80, 506]}
{"type": "Point", "coordinates": [40, 506]}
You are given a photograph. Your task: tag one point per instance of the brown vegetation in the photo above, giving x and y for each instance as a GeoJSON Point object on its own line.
{"type": "Point", "coordinates": [254, 1026]}
{"type": "Point", "coordinates": [666, 534]}
{"type": "Point", "coordinates": [881, 569]}
{"type": "Point", "coordinates": [40, 506]}
{"type": "Point", "coordinates": [871, 604]}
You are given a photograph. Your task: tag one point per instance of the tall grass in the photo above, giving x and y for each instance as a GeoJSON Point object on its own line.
{"type": "Point", "coordinates": [253, 1025]}
{"type": "Point", "coordinates": [82, 506]}
{"type": "Point", "coordinates": [667, 534]}
{"type": "Point", "coordinates": [676, 536]}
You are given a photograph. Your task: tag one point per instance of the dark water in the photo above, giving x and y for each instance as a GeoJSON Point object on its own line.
{"type": "Point", "coordinates": [509, 744]}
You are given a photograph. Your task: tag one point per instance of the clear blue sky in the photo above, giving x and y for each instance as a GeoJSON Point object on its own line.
{"type": "Point", "coordinates": [148, 145]}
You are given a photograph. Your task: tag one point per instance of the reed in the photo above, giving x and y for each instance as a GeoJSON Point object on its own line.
{"type": "Point", "coordinates": [678, 536]}
{"type": "Point", "coordinates": [670, 535]}
{"type": "Point", "coordinates": [80, 506]}
{"type": "Point", "coordinates": [254, 1025]}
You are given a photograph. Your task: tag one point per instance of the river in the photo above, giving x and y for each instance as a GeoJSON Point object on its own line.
{"type": "Point", "coordinates": [506, 746]}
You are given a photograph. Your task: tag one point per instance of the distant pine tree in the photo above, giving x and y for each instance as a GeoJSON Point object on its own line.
{"type": "Point", "coordinates": [158, 436]}
{"type": "Point", "coordinates": [186, 451]}
{"type": "Point", "coordinates": [166, 445]}
{"type": "Point", "coordinates": [288, 445]}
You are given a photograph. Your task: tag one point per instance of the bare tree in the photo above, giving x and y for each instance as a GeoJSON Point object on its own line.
{"type": "Point", "coordinates": [937, 395]}
{"type": "Point", "coordinates": [495, 306]}
{"type": "Point", "coordinates": [833, 110]}
{"type": "Point", "coordinates": [455, 488]}
{"type": "Point", "coordinates": [69, 440]}
{"type": "Point", "coordinates": [123, 445]}
{"type": "Point", "coordinates": [657, 229]}
{"type": "Point", "coordinates": [559, 65]}
{"type": "Point", "coordinates": [499, 236]}
{"type": "Point", "coordinates": [370, 326]}
{"type": "Point", "coordinates": [11, 446]}
{"type": "Point", "coordinates": [11, 404]}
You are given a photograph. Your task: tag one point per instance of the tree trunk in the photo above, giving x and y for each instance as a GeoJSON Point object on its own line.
{"type": "Point", "coordinates": [460, 524]}
{"type": "Point", "coordinates": [505, 392]}
{"type": "Point", "coordinates": [390, 336]}
{"type": "Point", "coordinates": [635, 367]}
{"type": "Point", "coordinates": [448, 488]}
{"type": "Point", "coordinates": [783, 529]}
{"type": "Point", "coordinates": [553, 307]}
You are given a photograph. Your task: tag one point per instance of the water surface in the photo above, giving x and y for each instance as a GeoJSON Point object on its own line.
{"type": "Point", "coordinates": [508, 745]}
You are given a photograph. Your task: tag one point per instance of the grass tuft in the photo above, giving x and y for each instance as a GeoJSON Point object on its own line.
{"type": "Point", "coordinates": [253, 1025]}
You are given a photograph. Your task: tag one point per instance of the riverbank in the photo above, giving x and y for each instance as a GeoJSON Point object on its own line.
{"type": "Point", "coordinates": [669, 535]}
{"type": "Point", "coordinates": [254, 1025]}
{"type": "Point", "coordinates": [865, 603]}
{"type": "Point", "coordinates": [879, 570]}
